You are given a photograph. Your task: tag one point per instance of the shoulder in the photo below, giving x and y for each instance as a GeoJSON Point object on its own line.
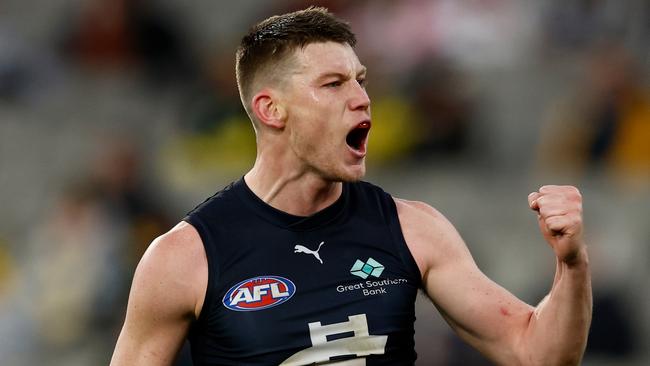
{"type": "Point", "coordinates": [180, 244]}
{"type": "Point", "coordinates": [430, 237]}
{"type": "Point", "coordinates": [406, 205]}
{"type": "Point", "coordinates": [175, 265]}
{"type": "Point", "coordinates": [414, 213]}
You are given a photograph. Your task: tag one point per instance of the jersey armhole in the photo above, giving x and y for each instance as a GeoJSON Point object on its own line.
{"type": "Point", "coordinates": [211, 256]}
{"type": "Point", "coordinates": [400, 243]}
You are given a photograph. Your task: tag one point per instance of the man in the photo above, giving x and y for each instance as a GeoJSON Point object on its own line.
{"type": "Point", "coordinates": [300, 263]}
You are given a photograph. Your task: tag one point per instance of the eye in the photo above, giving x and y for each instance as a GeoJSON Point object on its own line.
{"type": "Point", "coordinates": [362, 82]}
{"type": "Point", "coordinates": [334, 84]}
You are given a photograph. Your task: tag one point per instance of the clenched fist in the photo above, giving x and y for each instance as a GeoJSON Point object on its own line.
{"type": "Point", "coordinates": [559, 210]}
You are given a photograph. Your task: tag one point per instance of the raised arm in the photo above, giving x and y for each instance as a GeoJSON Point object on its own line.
{"type": "Point", "coordinates": [167, 294]}
{"type": "Point", "coordinates": [488, 317]}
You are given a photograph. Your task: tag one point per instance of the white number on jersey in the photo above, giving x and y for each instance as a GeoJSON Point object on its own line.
{"type": "Point", "coordinates": [359, 345]}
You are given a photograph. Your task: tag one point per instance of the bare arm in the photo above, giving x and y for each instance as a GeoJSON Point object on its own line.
{"type": "Point", "coordinates": [167, 294]}
{"type": "Point", "coordinates": [561, 321]}
{"type": "Point", "coordinates": [485, 315]}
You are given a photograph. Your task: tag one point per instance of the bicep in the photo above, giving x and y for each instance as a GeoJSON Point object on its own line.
{"type": "Point", "coordinates": [481, 312]}
{"type": "Point", "coordinates": [154, 327]}
{"type": "Point", "coordinates": [160, 309]}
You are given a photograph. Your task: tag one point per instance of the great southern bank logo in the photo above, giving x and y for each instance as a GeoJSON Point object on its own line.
{"type": "Point", "coordinates": [259, 293]}
{"type": "Point", "coordinates": [370, 268]}
{"type": "Point", "coordinates": [370, 287]}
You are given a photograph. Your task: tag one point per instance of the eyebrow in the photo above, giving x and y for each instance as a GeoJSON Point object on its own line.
{"type": "Point", "coordinates": [326, 75]}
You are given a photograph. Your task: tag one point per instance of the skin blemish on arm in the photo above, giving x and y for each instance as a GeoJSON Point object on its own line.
{"type": "Point", "coordinates": [504, 311]}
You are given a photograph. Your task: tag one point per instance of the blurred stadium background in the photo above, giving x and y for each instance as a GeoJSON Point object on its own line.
{"type": "Point", "coordinates": [118, 116]}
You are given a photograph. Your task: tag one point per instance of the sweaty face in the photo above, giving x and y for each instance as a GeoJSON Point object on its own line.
{"type": "Point", "coordinates": [328, 117]}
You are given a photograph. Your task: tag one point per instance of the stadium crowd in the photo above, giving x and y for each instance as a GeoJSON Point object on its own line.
{"type": "Point", "coordinates": [118, 116]}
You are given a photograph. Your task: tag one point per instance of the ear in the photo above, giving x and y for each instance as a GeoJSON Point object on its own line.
{"type": "Point", "coordinates": [268, 110]}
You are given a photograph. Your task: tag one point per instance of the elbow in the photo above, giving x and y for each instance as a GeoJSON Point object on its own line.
{"type": "Point", "coordinates": [570, 359]}
{"type": "Point", "coordinates": [560, 353]}
{"type": "Point", "coordinates": [565, 361]}
{"type": "Point", "coordinates": [573, 356]}
{"type": "Point", "coordinates": [560, 358]}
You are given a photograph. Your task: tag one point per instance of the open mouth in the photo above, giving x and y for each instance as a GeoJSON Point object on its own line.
{"type": "Point", "coordinates": [356, 138]}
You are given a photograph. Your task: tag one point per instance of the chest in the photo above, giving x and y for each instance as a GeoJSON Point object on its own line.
{"type": "Point", "coordinates": [313, 295]}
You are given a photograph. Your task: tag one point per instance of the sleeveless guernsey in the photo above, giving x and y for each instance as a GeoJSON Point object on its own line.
{"type": "Point", "coordinates": [334, 288]}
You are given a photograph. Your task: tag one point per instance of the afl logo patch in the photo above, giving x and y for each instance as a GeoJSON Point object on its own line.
{"type": "Point", "coordinates": [259, 293]}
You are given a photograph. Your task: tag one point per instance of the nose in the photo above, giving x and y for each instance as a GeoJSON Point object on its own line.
{"type": "Point", "coordinates": [359, 99]}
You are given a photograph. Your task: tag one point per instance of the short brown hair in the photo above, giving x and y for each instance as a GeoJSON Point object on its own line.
{"type": "Point", "coordinates": [272, 40]}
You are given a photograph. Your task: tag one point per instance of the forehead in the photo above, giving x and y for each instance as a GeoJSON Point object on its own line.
{"type": "Point", "coordinates": [329, 57]}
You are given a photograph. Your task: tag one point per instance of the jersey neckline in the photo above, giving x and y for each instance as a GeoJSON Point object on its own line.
{"type": "Point", "coordinates": [287, 220]}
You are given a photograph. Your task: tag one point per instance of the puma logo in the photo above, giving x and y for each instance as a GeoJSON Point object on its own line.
{"type": "Point", "coordinates": [302, 249]}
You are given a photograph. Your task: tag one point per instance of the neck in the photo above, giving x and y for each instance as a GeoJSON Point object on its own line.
{"type": "Point", "coordinates": [294, 191]}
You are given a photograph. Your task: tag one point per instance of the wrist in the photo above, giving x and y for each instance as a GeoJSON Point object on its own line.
{"type": "Point", "coordinates": [579, 259]}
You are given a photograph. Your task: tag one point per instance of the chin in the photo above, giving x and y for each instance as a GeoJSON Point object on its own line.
{"type": "Point", "coordinates": [350, 173]}
{"type": "Point", "coordinates": [354, 175]}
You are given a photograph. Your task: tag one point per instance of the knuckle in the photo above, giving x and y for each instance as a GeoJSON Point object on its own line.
{"type": "Point", "coordinates": [545, 188]}
{"type": "Point", "coordinates": [567, 190]}
{"type": "Point", "coordinates": [574, 193]}
{"type": "Point", "coordinates": [542, 200]}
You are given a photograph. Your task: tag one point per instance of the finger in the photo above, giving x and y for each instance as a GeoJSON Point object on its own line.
{"type": "Point", "coordinates": [558, 209]}
{"type": "Point", "coordinates": [553, 205]}
{"type": "Point", "coordinates": [546, 204]}
{"type": "Point", "coordinates": [558, 204]}
{"type": "Point", "coordinates": [553, 210]}
{"type": "Point", "coordinates": [546, 199]}
{"type": "Point", "coordinates": [570, 190]}
{"type": "Point", "coordinates": [549, 188]}
{"type": "Point", "coordinates": [532, 200]}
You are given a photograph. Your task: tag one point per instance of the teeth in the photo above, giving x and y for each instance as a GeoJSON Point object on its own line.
{"type": "Point", "coordinates": [364, 124]}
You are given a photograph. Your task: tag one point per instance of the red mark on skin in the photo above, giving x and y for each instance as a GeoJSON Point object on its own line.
{"type": "Point", "coordinates": [504, 311]}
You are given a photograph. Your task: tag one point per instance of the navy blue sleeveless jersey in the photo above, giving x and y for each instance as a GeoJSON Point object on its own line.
{"type": "Point", "coordinates": [337, 287]}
